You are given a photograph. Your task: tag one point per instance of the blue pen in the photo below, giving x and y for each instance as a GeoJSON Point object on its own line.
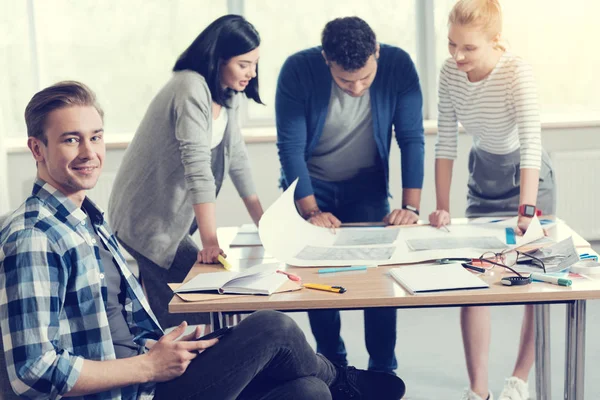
{"type": "Point", "coordinates": [342, 269]}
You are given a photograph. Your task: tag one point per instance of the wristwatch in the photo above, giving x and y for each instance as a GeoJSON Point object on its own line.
{"type": "Point", "coordinates": [410, 208]}
{"type": "Point", "coordinates": [527, 210]}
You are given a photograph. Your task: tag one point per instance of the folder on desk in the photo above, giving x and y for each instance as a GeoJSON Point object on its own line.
{"type": "Point", "coordinates": [247, 236]}
{"type": "Point", "coordinates": [421, 278]}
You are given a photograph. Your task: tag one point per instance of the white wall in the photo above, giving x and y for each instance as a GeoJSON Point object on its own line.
{"type": "Point", "coordinates": [265, 166]}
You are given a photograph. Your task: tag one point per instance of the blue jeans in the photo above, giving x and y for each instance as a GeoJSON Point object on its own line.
{"type": "Point", "coordinates": [361, 199]}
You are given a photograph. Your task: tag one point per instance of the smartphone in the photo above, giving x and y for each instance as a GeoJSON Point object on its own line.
{"type": "Point", "coordinates": [216, 334]}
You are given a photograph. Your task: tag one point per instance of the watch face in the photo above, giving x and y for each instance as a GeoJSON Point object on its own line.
{"type": "Point", "coordinates": [528, 211]}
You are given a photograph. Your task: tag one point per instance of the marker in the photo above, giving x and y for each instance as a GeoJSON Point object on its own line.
{"type": "Point", "coordinates": [292, 277]}
{"type": "Point", "coordinates": [224, 262]}
{"type": "Point", "coordinates": [474, 268]}
{"type": "Point", "coordinates": [510, 236]}
{"type": "Point", "coordinates": [551, 279]}
{"type": "Point", "coordinates": [327, 288]}
{"type": "Point", "coordinates": [342, 269]}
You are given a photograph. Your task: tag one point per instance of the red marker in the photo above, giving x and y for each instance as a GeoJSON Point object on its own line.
{"type": "Point", "coordinates": [292, 277]}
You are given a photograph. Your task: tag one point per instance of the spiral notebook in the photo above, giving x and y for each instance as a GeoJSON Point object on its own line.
{"type": "Point", "coordinates": [418, 279]}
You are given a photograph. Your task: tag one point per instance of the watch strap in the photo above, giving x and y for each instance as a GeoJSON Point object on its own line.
{"type": "Point", "coordinates": [528, 210]}
{"type": "Point", "coordinates": [410, 208]}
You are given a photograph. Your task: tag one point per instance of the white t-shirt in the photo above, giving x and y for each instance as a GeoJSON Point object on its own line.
{"type": "Point", "coordinates": [218, 128]}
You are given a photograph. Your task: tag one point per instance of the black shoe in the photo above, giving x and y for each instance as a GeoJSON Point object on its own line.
{"type": "Point", "coordinates": [358, 384]}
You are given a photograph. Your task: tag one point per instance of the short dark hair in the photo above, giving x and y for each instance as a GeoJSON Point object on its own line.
{"type": "Point", "coordinates": [226, 37]}
{"type": "Point", "coordinates": [60, 95]}
{"type": "Point", "coordinates": [349, 42]}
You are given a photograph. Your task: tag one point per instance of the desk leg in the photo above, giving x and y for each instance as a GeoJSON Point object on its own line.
{"type": "Point", "coordinates": [215, 320]}
{"type": "Point", "coordinates": [542, 351]}
{"type": "Point", "coordinates": [575, 350]}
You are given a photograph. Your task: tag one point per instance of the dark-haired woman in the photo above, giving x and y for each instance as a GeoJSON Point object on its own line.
{"type": "Point", "coordinates": [173, 169]}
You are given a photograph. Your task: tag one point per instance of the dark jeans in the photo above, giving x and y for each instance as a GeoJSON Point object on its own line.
{"type": "Point", "coordinates": [362, 199]}
{"type": "Point", "coordinates": [266, 356]}
{"type": "Point", "coordinates": [155, 279]}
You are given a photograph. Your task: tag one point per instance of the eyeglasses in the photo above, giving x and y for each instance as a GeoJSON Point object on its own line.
{"type": "Point", "coordinates": [509, 258]}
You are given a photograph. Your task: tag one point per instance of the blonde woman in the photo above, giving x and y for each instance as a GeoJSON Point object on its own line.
{"type": "Point", "coordinates": [492, 93]}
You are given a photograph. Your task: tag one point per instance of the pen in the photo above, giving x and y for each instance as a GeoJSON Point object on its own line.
{"type": "Point", "coordinates": [327, 288]}
{"type": "Point", "coordinates": [292, 277]}
{"type": "Point", "coordinates": [342, 269]}
{"type": "Point", "coordinates": [444, 227]}
{"type": "Point", "coordinates": [474, 268]}
{"type": "Point", "coordinates": [224, 262]}
{"type": "Point", "coordinates": [551, 279]}
{"type": "Point", "coordinates": [455, 259]}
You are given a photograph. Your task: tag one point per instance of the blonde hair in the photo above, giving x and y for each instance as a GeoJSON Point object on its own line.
{"type": "Point", "coordinates": [484, 13]}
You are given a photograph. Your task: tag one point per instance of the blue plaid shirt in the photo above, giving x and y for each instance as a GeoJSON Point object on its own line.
{"type": "Point", "coordinates": [53, 297]}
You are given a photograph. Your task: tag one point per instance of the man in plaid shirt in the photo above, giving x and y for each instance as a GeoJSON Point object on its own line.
{"type": "Point", "coordinates": [75, 322]}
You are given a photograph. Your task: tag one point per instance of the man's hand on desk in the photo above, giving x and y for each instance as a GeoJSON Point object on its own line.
{"type": "Point", "coordinates": [325, 220]}
{"type": "Point", "coordinates": [169, 358]}
{"type": "Point", "coordinates": [401, 217]}
{"type": "Point", "coordinates": [439, 218]}
{"type": "Point", "coordinates": [209, 254]}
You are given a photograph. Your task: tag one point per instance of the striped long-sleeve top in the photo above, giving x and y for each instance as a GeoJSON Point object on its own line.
{"type": "Point", "coordinates": [500, 111]}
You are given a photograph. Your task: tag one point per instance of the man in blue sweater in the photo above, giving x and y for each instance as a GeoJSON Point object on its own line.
{"type": "Point", "coordinates": [335, 109]}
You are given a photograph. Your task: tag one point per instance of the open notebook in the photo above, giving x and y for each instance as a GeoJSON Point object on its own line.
{"type": "Point", "coordinates": [259, 279]}
{"type": "Point", "coordinates": [434, 278]}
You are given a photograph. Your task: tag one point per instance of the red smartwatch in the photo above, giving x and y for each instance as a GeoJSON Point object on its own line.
{"type": "Point", "coordinates": [527, 210]}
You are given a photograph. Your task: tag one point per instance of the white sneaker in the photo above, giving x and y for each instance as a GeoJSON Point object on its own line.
{"type": "Point", "coordinates": [514, 389]}
{"type": "Point", "coordinates": [471, 395]}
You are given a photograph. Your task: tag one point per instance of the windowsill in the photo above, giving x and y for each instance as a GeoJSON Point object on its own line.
{"type": "Point", "coordinates": [267, 134]}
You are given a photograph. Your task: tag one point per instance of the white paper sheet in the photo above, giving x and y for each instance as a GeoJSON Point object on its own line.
{"type": "Point", "coordinates": [345, 253]}
{"type": "Point", "coordinates": [365, 236]}
{"type": "Point", "coordinates": [284, 234]}
{"type": "Point", "coordinates": [452, 242]}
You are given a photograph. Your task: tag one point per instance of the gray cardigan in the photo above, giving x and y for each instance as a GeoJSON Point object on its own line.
{"type": "Point", "coordinates": [169, 166]}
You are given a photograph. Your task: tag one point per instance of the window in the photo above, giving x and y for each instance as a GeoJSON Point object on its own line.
{"type": "Point", "coordinates": [556, 38]}
{"type": "Point", "coordinates": [124, 50]}
{"type": "Point", "coordinates": [16, 66]}
{"type": "Point", "coordinates": [286, 27]}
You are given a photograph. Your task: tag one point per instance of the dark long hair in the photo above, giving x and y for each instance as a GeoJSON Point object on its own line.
{"type": "Point", "coordinates": [226, 37]}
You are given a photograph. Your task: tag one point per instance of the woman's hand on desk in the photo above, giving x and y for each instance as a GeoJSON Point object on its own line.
{"type": "Point", "coordinates": [209, 254]}
{"type": "Point", "coordinates": [401, 217]}
{"type": "Point", "coordinates": [522, 225]}
{"type": "Point", "coordinates": [169, 357]}
{"type": "Point", "coordinates": [439, 218]}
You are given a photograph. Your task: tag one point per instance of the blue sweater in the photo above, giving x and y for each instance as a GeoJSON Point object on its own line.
{"type": "Point", "coordinates": [301, 103]}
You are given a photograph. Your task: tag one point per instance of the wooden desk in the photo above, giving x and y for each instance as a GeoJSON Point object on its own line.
{"type": "Point", "coordinates": [375, 288]}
